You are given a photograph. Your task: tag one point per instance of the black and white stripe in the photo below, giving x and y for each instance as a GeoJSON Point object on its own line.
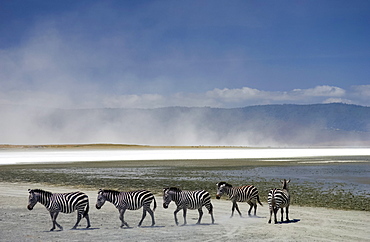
{"type": "Point", "coordinates": [188, 200]}
{"type": "Point", "coordinates": [247, 194]}
{"type": "Point", "coordinates": [279, 199]}
{"type": "Point", "coordinates": [132, 200]}
{"type": "Point", "coordinates": [61, 202]}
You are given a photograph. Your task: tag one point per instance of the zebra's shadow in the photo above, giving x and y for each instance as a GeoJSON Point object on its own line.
{"type": "Point", "coordinates": [155, 226]}
{"type": "Point", "coordinates": [290, 221]}
{"type": "Point", "coordinates": [85, 229]}
{"type": "Point", "coordinates": [53, 231]}
{"type": "Point", "coordinates": [201, 224]}
{"type": "Point", "coordinates": [138, 227]}
{"type": "Point", "coordinates": [247, 217]}
{"type": "Point", "coordinates": [250, 217]}
{"type": "Point", "coordinates": [59, 230]}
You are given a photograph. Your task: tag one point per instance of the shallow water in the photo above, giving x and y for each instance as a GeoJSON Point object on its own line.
{"type": "Point", "coordinates": [355, 177]}
{"type": "Point", "coordinates": [346, 176]}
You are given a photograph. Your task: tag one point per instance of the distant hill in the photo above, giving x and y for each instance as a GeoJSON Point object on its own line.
{"type": "Point", "coordinates": [266, 125]}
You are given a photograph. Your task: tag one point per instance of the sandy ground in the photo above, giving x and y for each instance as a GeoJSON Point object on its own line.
{"type": "Point", "coordinates": [309, 224]}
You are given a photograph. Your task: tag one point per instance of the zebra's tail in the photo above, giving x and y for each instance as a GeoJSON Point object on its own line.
{"type": "Point", "coordinates": [155, 204]}
{"type": "Point", "coordinates": [273, 202]}
{"type": "Point", "coordinates": [86, 212]}
{"type": "Point", "coordinates": [258, 200]}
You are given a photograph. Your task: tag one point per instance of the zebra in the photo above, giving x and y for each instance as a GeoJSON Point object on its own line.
{"type": "Point", "coordinates": [247, 194]}
{"type": "Point", "coordinates": [132, 200]}
{"type": "Point", "coordinates": [188, 200]}
{"type": "Point", "coordinates": [61, 202]}
{"type": "Point", "coordinates": [279, 198]}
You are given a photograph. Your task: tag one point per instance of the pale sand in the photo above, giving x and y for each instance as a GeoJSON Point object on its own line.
{"type": "Point", "coordinates": [309, 224]}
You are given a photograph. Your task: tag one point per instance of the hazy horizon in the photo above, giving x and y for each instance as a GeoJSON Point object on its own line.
{"type": "Point", "coordinates": [276, 126]}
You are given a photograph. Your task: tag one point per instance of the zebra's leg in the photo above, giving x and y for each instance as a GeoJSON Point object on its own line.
{"type": "Point", "coordinates": [121, 217]}
{"type": "Point", "coordinates": [255, 209]}
{"type": "Point", "coordinates": [237, 209]}
{"type": "Point", "coordinates": [210, 210]}
{"type": "Point", "coordinates": [282, 214]}
{"type": "Point", "coordinates": [250, 208]}
{"type": "Point", "coordinates": [52, 220]}
{"type": "Point", "coordinates": [88, 221]}
{"type": "Point", "coordinates": [275, 212]}
{"type": "Point", "coordinates": [175, 215]}
{"type": "Point", "coordinates": [200, 211]}
{"type": "Point", "coordinates": [232, 210]}
{"type": "Point", "coordinates": [235, 205]}
{"type": "Point", "coordinates": [54, 216]}
{"type": "Point", "coordinates": [79, 216]}
{"type": "Point", "coordinates": [86, 216]}
{"type": "Point", "coordinates": [184, 210]}
{"type": "Point", "coordinates": [142, 218]}
{"type": "Point", "coordinates": [150, 211]}
{"type": "Point", "coordinates": [287, 213]}
{"type": "Point", "coordinates": [271, 209]}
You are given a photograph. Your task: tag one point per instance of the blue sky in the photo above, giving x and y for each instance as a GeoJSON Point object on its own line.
{"type": "Point", "coordinates": [147, 54]}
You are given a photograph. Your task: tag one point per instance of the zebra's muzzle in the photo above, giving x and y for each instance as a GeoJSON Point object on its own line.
{"type": "Point", "coordinates": [30, 207]}
{"type": "Point", "coordinates": [218, 196]}
{"type": "Point", "coordinates": [165, 205]}
{"type": "Point", "coordinates": [97, 207]}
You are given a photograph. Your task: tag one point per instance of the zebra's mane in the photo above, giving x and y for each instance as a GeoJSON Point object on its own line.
{"type": "Point", "coordinates": [225, 184]}
{"type": "Point", "coordinates": [115, 192]}
{"type": "Point", "coordinates": [42, 191]}
{"type": "Point", "coordinates": [173, 189]}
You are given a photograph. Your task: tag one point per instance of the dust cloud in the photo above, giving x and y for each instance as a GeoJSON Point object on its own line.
{"type": "Point", "coordinates": [161, 126]}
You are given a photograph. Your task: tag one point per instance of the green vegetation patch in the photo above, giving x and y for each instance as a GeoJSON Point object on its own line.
{"type": "Point", "coordinates": [194, 175]}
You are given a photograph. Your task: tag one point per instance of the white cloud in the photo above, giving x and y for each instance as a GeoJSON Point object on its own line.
{"type": "Point", "coordinates": [249, 96]}
{"type": "Point", "coordinates": [362, 90]}
{"type": "Point", "coordinates": [337, 100]}
{"type": "Point", "coordinates": [235, 94]}
{"type": "Point", "coordinates": [137, 101]}
{"type": "Point", "coordinates": [321, 91]}
{"type": "Point", "coordinates": [226, 97]}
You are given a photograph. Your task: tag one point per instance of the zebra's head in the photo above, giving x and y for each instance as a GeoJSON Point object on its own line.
{"type": "Point", "coordinates": [100, 199]}
{"type": "Point", "coordinates": [221, 188]}
{"type": "Point", "coordinates": [285, 183]}
{"type": "Point", "coordinates": [36, 195]}
{"type": "Point", "coordinates": [32, 199]}
{"type": "Point", "coordinates": [168, 194]}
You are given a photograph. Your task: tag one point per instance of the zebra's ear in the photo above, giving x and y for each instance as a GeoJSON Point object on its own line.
{"type": "Point", "coordinates": [288, 181]}
{"type": "Point", "coordinates": [29, 190]}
